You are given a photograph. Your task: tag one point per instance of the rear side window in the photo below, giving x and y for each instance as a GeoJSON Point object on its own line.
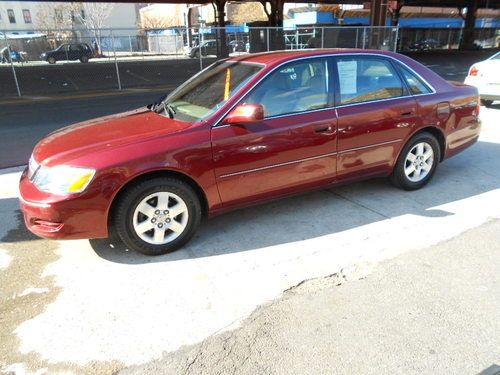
{"type": "Point", "coordinates": [414, 83]}
{"type": "Point", "coordinates": [363, 79]}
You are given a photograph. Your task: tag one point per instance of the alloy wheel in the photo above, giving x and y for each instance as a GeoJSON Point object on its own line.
{"type": "Point", "coordinates": [160, 218]}
{"type": "Point", "coordinates": [419, 162]}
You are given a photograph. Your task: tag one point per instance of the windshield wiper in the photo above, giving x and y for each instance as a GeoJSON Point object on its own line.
{"type": "Point", "coordinates": [164, 107]}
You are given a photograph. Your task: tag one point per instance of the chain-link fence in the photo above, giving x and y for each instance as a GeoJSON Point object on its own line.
{"type": "Point", "coordinates": [45, 62]}
{"type": "Point", "coordinates": [417, 39]}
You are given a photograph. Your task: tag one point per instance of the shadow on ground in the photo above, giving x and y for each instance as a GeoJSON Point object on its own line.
{"type": "Point", "coordinates": [329, 211]}
{"type": "Point", "coordinates": [19, 232]}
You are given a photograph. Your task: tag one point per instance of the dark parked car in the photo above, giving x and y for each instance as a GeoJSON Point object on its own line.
{"type": "Point", "coordinates": [71, 51]}
{"type": "Point", "coordinates": [425, 45]}
{"type": "Point", "coordinates": [238, 46]}
{"type": "Point", "coordinates": [208, 47]}
{"type": "Point", "coordinates": [248, 129]}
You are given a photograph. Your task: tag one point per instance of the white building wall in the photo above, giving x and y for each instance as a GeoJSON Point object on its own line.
{"type": "Point", "coordinates": [17, 7]}
{"type": "Point", "coordinates": [123, 16]}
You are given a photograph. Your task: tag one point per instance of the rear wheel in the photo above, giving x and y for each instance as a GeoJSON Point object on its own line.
{"type": "Point", "coordinates": [84, 59]}
{"type": "Point", "coordinates": [157, 216]}
{"type": "Point", "coordinates": [417, 162]}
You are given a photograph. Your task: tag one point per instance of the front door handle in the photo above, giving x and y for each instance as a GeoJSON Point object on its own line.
{"type": "Point", "coordinates": [407, 114]}
{"type": "Point", "coordinates": [323, 129]}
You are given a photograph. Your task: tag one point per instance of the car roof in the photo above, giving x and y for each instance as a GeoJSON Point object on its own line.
{"type": "Point", "coordinates": [277, 57]}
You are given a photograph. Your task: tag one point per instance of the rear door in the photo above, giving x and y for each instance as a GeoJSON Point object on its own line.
{"type": "Point", "coordinates": [375, 112]}
{"type": "Point", "coordinates": [75, 51]}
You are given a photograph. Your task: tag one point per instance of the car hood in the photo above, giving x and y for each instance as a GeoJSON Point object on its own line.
{"type": "Point", "coordinates": [104, 133]}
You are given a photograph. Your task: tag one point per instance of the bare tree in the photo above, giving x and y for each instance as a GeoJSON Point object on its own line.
{"type": "Point", "coordinates": [151, 21]}
{"type": "Point", "coordinates": [56, 20]}
{"type": "Point", "coordinates": [93, 17]}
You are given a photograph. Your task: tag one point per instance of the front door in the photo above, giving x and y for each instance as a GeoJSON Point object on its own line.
{"type": "Point", "coordinates": [293, 147]}
{"type": "Point", "coordinates": [375, 115]}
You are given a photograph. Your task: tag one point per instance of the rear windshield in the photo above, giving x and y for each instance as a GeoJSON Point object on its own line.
{"type": "Point", "coordinates": [206, 92]}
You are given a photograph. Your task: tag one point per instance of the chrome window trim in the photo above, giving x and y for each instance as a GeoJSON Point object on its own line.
{"type": "Point", "coordinates": [374, 101]}
{"type": "Point", "coordinates": [308, 159]}
{"type": "Point", "coordinates": [217, 122]}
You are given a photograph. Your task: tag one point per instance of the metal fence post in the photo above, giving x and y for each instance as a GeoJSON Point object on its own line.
{"type": "Point", "coordinates": [357, 32]}
{"type": "Point", "coordinates": [322, 37]}
{"type": "Point", "coordinates": [12, 65]}
{"type": "Point", "coordinates": [396, 41]}
{"type": "Point", "coordinates": [116, 61]}
{"type": "Point", "coordinates": [267, 37]}
{"type": "Point", "coordinates": [364, 37]}
{"type": "Point", "coordinates": [200, 42]}
{"type": "Point", "coordinates": [130, 43]}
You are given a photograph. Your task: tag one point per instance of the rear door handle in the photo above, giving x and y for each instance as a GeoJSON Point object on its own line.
{"type": "Point", "coordinates": [407, 114]}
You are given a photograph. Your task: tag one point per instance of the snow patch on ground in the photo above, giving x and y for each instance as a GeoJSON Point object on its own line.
{"type": "Point", "coordinates": [5, 259]}
{"type": "Point", "coordinates": [32, 290]}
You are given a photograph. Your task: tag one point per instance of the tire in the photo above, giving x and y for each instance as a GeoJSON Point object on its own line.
{"type": "Point", "coordinates": [414, 172]}
{"type": "Point", "coordinates": [487, 103]}
{"type": "Point", "coordinates": [149, 233]}
{"type": "Point", "coordinates": [51, 60]}
{"type": "Point", "coordinates": [84, 59]}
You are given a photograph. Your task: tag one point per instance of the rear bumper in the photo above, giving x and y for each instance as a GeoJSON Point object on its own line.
{"type": "Point", "coordinates": [487, 91]}
{"type": "Point", "coordinates": [62, 217]}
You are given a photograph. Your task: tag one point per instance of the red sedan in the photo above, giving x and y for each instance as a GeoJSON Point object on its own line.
{"type": "Point", "coordinates": [246, 130]}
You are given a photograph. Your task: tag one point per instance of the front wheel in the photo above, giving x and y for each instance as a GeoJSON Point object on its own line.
{"type": "Point", "coordinates": [51, 60]}
{"type": "Point", "coordinates": [84, 59]}
{"type": "Point", "coordinates": [417, 162]}
{"type": "Point", "coordinates": [157, 216]}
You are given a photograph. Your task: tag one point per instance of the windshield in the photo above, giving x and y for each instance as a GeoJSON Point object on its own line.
{"type": "Point", "coordinates": [496, 56]}
{"type": "Point", "coordinates": [206, 92]}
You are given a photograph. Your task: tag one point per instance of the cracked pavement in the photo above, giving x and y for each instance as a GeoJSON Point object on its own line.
{"type": "Point", "coordinates": [428, 311]}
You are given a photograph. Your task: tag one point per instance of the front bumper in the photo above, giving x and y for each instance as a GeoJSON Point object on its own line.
{"type": "Point", "coordinates": [63, 217]}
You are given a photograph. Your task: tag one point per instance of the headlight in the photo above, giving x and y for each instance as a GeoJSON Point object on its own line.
{"type": "Point", "coordinates": [63, 179]}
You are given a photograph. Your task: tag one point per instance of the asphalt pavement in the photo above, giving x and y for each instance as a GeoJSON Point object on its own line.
{"type": "Point", "coordinates": [23, 124]}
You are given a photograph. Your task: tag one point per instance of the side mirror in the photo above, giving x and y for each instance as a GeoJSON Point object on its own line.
{"type": "Point", "coordinates": [244, 113]}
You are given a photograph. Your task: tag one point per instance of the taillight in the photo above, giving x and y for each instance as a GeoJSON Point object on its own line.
{"type": "Point", "coordinates": [473, 71]}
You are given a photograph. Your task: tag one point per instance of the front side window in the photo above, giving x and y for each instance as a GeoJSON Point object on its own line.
{"type": "Point", "coordinates": [27, 16]}
{"type": "Point", "coordinates": [206, 92]}
{"type": "Point", "coordinates": [11, 15]}
{"type": "Point", "coordinates": [296, 87]}
{"type": "Point", "coordinates": [414, 83]}
{"type": "Point", "coordinates": [363, 79]}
